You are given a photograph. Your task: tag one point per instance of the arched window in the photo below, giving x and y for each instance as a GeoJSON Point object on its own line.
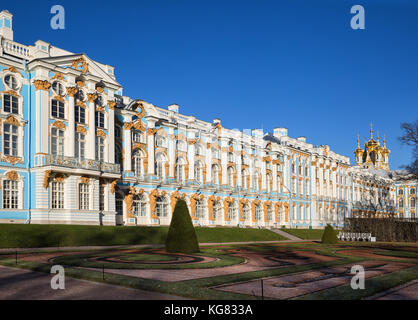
{"type": "Point", "coordinates": [400, 203]}
{"type": "Point", "coordinates": [161, 207]}
{"type": "Point", "coordinates": [138, 163]}
{"type": "Point", "coordinates": [400, 191]}
{"type": "Point", "coordinates": [244, 179]}
{"type": "Point", "coordinates": [139, 206]}
{"type": "Point", "coordinates": [230, 173]}
{"type": "Point", "coordinates": [198, 168]}
{"type": "Point", "coordinates": [215, 174]}
{"type": "Point", "coordinates": [258, 212]}
{"type": "Point", "coordinates": [412, 191]}
{"type": "Point", "coordinates": [232, 210]}
{"type": "Point", "coordinates": [159, 166]}
{"type": "Point", "coordinates": [179, 170]}
{"type": "Point", "coordinates": [246, 211]}
{"type": "Point", "coordinates": [270, 213]}
{"type": "Point", "coordinates": [268, 181]}
{"type": "Point", "coordinates": [216, 211]}
{"type": "Point", "coordinates": [200, 209]}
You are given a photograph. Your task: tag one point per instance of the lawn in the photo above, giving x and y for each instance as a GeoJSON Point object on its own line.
{"type": "Point", "coordinates": [36, 236]}
{"type": "Point", "coordinates": [306, 234]}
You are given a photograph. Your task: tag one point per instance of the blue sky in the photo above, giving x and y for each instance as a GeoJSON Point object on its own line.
{"type": "Point", "coordinates": [254, 64]}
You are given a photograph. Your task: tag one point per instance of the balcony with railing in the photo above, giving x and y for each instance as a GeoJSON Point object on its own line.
{"type": "Point", "coordinates": [15, 49]}
{"type": "Point", "coordinates": [75, 163]}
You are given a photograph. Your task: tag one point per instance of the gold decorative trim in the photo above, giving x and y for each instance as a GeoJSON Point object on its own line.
{"type": "Point", "coordinates": [42, 85]}
{"type": "Point", "coordinates": [12, 175]}
{"type": "Point", "coordinates": [111, 105]}
{"type": "Point", "coordinates": [11, 160]}
{"type": "Point", "coordinates": [100, 109]}
{"type": "Point", "coordinates": [81, 104]}
{"type": "Point", "coordinates": [59, 124]}
{"type": "Point", "coordinates": [85, 66]}
{"type": "Point", "coordinates": [47, 175]}
{"type": "Point", "coordinates": [113, 186]}
{"type": "Point", "coordinates": [11, 92]}
{"type": "Point", "coordinates": [85, 180]}
{"type": "Point", "coordinates": [91, 97]}
{"type": "Point", "coordinates": [59, 98]}
{"type": "Point", "coordinates": [81, 83]}
{"type": "Point", "coordinates": [13, 121]}
{"type": "Point", "coordinates": [152, 131]}
{"type": "Point", "coordinates": [12, 69]}
{"type": "Point", "coordinates": [58, 76]}
{"type": "Point", "coordinates": [72, 91]}
{"type": "Point", "coordinates": [101, 133]}
{"type": "Point", "coordinates": [81, 129]}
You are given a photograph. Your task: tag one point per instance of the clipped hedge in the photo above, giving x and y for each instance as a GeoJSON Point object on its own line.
{"type": "Point", "coordinates": [181, 237]}
{"type": "Point", "coordinates": [329, 236]}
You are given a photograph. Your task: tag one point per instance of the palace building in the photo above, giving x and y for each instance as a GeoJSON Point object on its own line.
{"type": "Point", "coordinates": [75, 150]}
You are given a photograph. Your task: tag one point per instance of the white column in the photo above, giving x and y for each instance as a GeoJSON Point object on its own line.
{"type": "Point", "coordinates": [151, 145]}
{"type": "Point", "coordinates": [128, 148]}
{"type": "Point", "coordinates": [91, 135]}
{"type": "Point", "coordinates": [111, 135]}
{"type": "Point", "coordinates": [42, 116]}
{"type": "Point", "coordinates": [70, 134]}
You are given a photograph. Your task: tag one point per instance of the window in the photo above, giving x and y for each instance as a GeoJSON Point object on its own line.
{"type": "Point", "coordinates": [80, 114]}
{"type": "Point", "coordinates": [119, 204]}
{"type": "Point", "coordinates": [216, 212]}
{"type": "Point", "coordinates": [230, 173]}
{"type": "Point", "coordinates": [100, 119]}
{"type": "Point", "coordinates": [80, 143]}
{"type": "Point", "coordinates": [161, 207]}
{"type": "Point", "coordinates": [215, 174]}
{"type": "Point", "coordinates": [57, 109]}
{"type": "Point", "coordinates": [10, 194]}
{"type": "Point", "coordinates": [101, 198]}
{"type": "Point", "coordinates": [159, 166]}
{"type": "Point", "coordinates": [293, 168]}
{"type": "Point", "coordinates": [198, 172]}
{"type": "Point", "coordinates": [400, 203]}
{"type": "Point", "coordinates": [118, 132]}
{"type": "Point", "coordinates": [215, 153]}
{"type": "Point", "coordinates": [99, 100]}
{"type": "Point", "coordinates": [137, 163]}
{"type": "Point", "coordinates": [412, 203]}
{"type": "Point", "coordinates": [57, 195]}
{"type": "Point", "coordinates": [199, 150]}
{"type": "Point", "coordinates": [118, 154]}
{"type": "Point", "coordinates": [269, 213]}
{"type": "Point", "coordinates": [306, 171]}
{"type": "Point", "coordinates": [400, 191]}
{"type": "Point", "coordinates": [138, 137]}
{"type": "Point", "coordinates": [268, 182]}
{"type": "Point", "coordinates": [230, 157]}
{"type": "Point", "coordinates": [258, 213]}
{"type": "Point", "coordinates": [180, 164]}
{"type": "Point", "coordinates": [200, 209]}
{"type": "Point", "coordinates": [10, 140]}
{"type": "Point", "coordinates": [10, 104]}
{"type": "Point", "coordinates": [244, 179]}
{"type": "Point", "coordinates": [81, 95]}
{"type": "Point", "coordinates": [412, 191]}
{"type": "Point", "coordinates": [11, 82]}
{"type": "Point", "coordinates": [246, 212]}
{"type": "Point", "coordinates": [57, 142]}
{"type": "Point", "coordinates": [181, 146]}
{"type": "Point", "coordinates": [300, 169]}
{"type": "Point", "coordinates": [160, 141]}
{"type": "Point", "coordinates": [232, 210]}
{"type": "Point", "coordinates": [83, 196]}
{"type": "Point", "coordinates": [100, 147]}
{"type": "Point", "coordinates": [58, 88]}
{"type": "Point", "coordinates": [139, 206]}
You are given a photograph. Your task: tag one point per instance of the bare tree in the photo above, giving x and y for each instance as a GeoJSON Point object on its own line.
{"type": "Point", "coordinates": [410, 138]}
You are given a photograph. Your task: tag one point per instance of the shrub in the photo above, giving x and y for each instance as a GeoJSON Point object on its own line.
{"type": "Point", "coordinates": [181, 236]}
{"type": "Point", "coordinates": [329, 236]}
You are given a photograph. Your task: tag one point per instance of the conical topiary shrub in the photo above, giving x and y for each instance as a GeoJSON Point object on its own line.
{"type": "Point", "coordinates": [329, 236]}
{"type": "Point", "coordinates": [181, 236]}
